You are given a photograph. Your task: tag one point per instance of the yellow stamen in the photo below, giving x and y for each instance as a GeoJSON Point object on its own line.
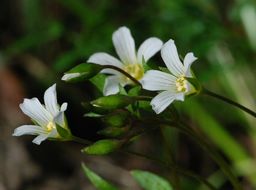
{"type": "Point", "coordinates": [50, 126]}
{"type": "Point", "coordinates": [181, 84]}
{"type": "Point", "coordinates": [135, 70]}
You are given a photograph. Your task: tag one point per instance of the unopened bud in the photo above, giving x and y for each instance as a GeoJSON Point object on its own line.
{"type": "Point", "coordinates": [102, 147]}
{"type": "Point", "coordinates": [82, 72]}
{"type": "Point", "coordinates": [113, 101]}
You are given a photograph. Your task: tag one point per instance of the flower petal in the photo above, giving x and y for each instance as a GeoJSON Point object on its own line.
{"type": "Point", "coordinates": [40, 138]}
{"type": "Point", "coordinates": [124, 45]}
{"type": "Point", "coordinates": [68, 76]}
{"type": "Point", "coordinates": [50, 100]}
{"type": "Point", "coordinates": [104, 59]}
{"type": "Point", "coordinates": [28, 130]}
{"type": "Point", "coordinates": [35, 110]}
{"type": "Point", "coordinates": [171, 58]}
{"type": "Point", "coordinates": [60, 119]}
{"type": "Point", "coordinates": [162, 101]}
{"type": "Point", "coordinates": [156, 80]}
{"type": "Point", "coordinates": [111, 85]}
{"type": "Point", "coordinates": [188, 60]}
{"type": "Point", "coordinates": [149, 48]}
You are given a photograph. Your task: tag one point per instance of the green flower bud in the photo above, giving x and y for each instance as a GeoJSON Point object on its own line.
{"type": "Point", "coordinates": [82, 72]}
{"type": "Point", "coordinates": [113, 101]}
{"type": "Point", "coordinates": [113, 131]}
{"type": "Point", "coordinates": [92, 109]}
{"type": "Point", "coordinates": [102, 147]}
{"type": "Point", "coordinates": [116, 119]}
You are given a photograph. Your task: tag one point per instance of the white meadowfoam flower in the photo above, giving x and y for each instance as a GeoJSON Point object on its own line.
{"type": "Point", "coordinates": [46, 117]}
{"type": "Point", "coordinates": [130, 61]}
{"type": "Point", "coordinates": [172, 86]}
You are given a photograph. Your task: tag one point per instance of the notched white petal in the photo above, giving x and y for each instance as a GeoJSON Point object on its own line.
{"type": "Point", "coordinates": [35, 110]}
{"type": "Point", "coordinates": [162, 101]}
{"type": "Point", "coordinates": [170, 56]}
{"type": "Point", "coordinates": [124, 45]}
{"type": "Point", "coordinates": [69, 76]}
{"type": "Point", "coordinates": [50, 100]}
{"type": "Point", "coordinates": [102, 58]}
{"type": "Point", "coordinates": [28, 130]}
{"type": "Point", "coordinates": [188, 60]}
{"type": "Point", "coordinates": [40, 138]}
{"type": "Point", "coordinates": [111, 85]}
{"type": "Point", "coordinates": [157, 80]}
{"type": "Point", "coordinates": [149, 48]}
{"type": "Point", "coordinates": [60, 119]}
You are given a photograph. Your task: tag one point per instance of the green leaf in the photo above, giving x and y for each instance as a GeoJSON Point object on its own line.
{"type": "Point", "coordinates": [96, 180]}
{"type": "Point", "coordinates": [102, 147]}
{"type": "Point", "coordinates": [150, 181]}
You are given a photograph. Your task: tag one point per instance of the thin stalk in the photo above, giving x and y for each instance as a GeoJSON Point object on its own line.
{"type": "Point", "coordinates": [80, 140]}
{"type": "Point", "coordinates": [231, 102]}
{"type": "Point", "coordinates": [124, 73]}
{"type": "Point", "coordinates": [172, 167]}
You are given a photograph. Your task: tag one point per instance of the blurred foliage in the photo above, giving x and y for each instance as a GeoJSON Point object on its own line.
{"type": "Point", "coordinates": [59, 34]}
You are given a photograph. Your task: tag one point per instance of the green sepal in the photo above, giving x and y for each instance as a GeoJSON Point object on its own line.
{"type": "Point", "coordinates": [64, 133]}
{"type": "Point", "coordinates": [112, 102]}
{"type": "Point", "coordinates": [164, 69]}
{"type": "Point", "coordinates": [196, 84]}
{"type": "Point", "coordinates": [135, 91]}
{"type": "Point", "coordinates": [96, 180]}
{"type": "Point", "coordinates": [102, 147]}
{"type": "Point", "coordinates": [150, 181]}
{"type": "Point", "coordinates": [85, 71]}
{"type": "Point", "coordinates": [113, 131]}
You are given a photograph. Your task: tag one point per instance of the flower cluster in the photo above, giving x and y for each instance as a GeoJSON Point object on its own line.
{"type": "Point", "coordinates": [171, 85]}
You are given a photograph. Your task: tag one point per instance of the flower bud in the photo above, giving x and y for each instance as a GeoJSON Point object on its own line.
{"type": "Point", "coordinates": [118, 118]}
{"type": "Point", "coordinates": [113, 101]}
{"type": "Point", "coordinates": [113, 131]}
{"type": "Point", "coordinates": [102, 147]}
{"type": "Point", "coordinates": [82, 72]}
{"type": "Point", "coordinates": [89, 108]}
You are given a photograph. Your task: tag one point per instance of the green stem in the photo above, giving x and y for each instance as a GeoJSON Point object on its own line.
{"type": "Point", "coordinates": [172, 167]}
{"type": "Point", "coordinates": [80, 140]}
{"type": "Point", "coordinates": [124, 73]}
{"type": "Point", "coordinates": [231, 102]}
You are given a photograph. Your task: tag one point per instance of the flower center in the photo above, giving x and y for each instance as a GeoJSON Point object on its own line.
{"type": "Point", "coordinates": [50, 126]}
{"type": "Point", "coordinates": [135, 70]}
{"type": "Point", "coordinates": [181, 84]}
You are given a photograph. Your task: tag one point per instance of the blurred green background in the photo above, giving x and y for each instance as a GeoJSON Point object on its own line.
{"type": "Point", "coordinates": [39, 40]}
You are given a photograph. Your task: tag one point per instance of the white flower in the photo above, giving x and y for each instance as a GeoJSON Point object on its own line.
{"type": "Point", "coordinates": [131, 62]}
{"type": "Point", "coordinates": [174, 86]}
{"type": "Point", "coordinates": [45, 117]}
